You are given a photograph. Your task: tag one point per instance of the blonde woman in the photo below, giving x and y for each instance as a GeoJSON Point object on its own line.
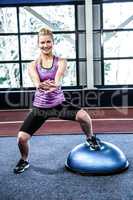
{"type": "Point", "coordinates": [46, 73]}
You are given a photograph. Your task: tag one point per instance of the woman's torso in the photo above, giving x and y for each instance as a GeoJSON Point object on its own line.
{"type": "Point", "coordinates": [44, 99]}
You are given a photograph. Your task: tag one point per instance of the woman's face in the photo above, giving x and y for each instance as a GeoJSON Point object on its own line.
{"type": "Point", "coordinates": [45, 44]}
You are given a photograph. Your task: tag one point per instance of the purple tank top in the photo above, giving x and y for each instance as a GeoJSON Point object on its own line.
{"type": "Point", "coordinates": [44, 99]}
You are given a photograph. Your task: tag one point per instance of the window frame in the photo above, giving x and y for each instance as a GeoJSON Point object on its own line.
{"type": "Point", "coordinates": [101, 30]}
{"type": "Point", "coordinates": [20, 61]}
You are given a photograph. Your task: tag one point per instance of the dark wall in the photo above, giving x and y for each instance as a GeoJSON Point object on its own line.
{"type": "Point", "coordinates": [83, 98]}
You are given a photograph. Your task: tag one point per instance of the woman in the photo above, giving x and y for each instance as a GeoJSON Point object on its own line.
{"type": "Point", "coordinates": [46, 73]}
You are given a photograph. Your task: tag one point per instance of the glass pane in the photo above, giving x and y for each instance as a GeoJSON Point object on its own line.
{"type": "Point", "coordinates": [65, 45]}
{"type": "Point", "coordinates": [118, 72]}
{"type": "Point", "coordinates": [81, 17]}
{"type": "Point", "coordinates": [8, 48]}
{"type": "Point", "coordinates": [118, 44]}
{"type": "Point", "coordinates": [82, 74]}
{"type": "Point", "coordinates": [96, 45]}
{"type": "Point", "coordinates": [57, 18]}
{"type": "Point", "coordinates": [9, 75]}
{"type": "Point", "coordinates": [96, 17]}
{"type": "Point", "coordinates": [70, 75]}
{"type": "Point", "coordinates": [97, 73]}
{"type": "Point", "coordinates": [8, 20]}
{"type": "Point", "coordinates": [29, 48]}
{"type": "Point", "coordinates": [118, 15]}
{"type": "Point", "coordinates": [25, 76]}
{"type": "Point", "coordinates": [82, 45]}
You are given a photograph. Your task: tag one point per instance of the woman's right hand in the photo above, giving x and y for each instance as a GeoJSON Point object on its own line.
{"type": "Point", "coordinates": [48, 85]}
{"type": "Point", "coordinates": [44, 85]}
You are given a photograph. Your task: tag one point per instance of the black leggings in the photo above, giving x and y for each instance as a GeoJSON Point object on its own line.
{"type": "Point", "coordinates": [38, 116]}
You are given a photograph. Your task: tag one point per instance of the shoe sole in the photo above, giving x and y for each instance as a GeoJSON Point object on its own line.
{"type": "Point", "coordinates": [18, 172]}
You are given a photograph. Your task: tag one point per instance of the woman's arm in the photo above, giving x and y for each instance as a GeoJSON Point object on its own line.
{"type": "Point", "coordinates": [46, 85]}
{"type": "Point", "coordinates": [54, 84]}
{"type": "Point", "coordinates": [33, 74]}
{"type": "Point", "coordinates": [62, 66]}
{"type": "Point", "coordinates": [35, 78]}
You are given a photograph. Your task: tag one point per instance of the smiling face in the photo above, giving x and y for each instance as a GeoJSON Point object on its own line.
{"type": "Point", "coordinates": [45, 43]}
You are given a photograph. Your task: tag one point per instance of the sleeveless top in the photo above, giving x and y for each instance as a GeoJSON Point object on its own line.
{"type": "Point", "coordinates": [44, 99]}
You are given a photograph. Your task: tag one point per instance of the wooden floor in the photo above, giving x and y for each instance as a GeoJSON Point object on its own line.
{"type": "Point", "coordinates": [105, 120]}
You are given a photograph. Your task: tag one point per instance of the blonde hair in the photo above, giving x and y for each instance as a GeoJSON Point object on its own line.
{"type": "Point", "coordinates": [45, 31]}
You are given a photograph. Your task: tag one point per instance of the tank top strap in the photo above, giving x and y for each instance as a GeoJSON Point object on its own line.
{"type": "Point", "coordinates": [55, 62]}
{"type": "Point", "coordinates": [37, 67]}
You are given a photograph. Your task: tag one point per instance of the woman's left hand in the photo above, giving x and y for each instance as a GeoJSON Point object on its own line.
{"type": "Point", "coordinates": [52, 86]}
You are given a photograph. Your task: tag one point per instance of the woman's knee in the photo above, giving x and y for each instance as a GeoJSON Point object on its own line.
{"type": "Point", "coordinates": [82, 116]}
{"type": "Point", "coordinates": [23, 137]}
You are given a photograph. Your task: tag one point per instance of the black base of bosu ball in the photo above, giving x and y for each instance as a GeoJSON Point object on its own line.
{"type": "Point", "coordinates": [109, 159]}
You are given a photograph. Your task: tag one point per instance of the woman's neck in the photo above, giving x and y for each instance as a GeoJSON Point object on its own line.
{"type": "Point", "coordinates": [46, 57]}
{"type": "Point", "coordinates": [46, 61]}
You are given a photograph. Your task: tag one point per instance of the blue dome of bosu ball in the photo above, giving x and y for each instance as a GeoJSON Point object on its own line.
{"type": "Point", "coordinates": [109, 159]}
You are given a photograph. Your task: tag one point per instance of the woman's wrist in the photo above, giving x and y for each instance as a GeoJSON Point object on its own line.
{"type": "Point", "coordinates": [58, 84]}
{"type": "Point", "coordinates": [38, 85]}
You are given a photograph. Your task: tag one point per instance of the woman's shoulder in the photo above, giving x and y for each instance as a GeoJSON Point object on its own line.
{"type": "Point", "coordinates": [32, 65]}
{"type": "Point", "coordinates": [60, 59]}
{"type": "Point", "coordinates": [34, 62]}
{"type": "Point", "coordinates": [62, 63]}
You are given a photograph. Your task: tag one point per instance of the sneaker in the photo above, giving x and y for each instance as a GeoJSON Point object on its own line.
{"type": "Point", "coordinates": [21, 166]}
{"type": "Point", "coordinates": [94, 142]}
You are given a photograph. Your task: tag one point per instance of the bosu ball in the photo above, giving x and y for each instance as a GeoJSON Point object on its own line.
{"type": "Point", "coordinates": [109, 159]}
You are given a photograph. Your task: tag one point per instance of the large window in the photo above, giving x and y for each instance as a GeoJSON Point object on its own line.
{"type": "Point", "coordinates": [113, 30]}
{"type": "Point", "coordinates": [18, 41]}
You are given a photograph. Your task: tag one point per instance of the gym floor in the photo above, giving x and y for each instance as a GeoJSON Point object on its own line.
{"type": "Point", "coordinates": [47, 178]}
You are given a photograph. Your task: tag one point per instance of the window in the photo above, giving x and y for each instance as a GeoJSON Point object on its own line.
{"type": "Point", "coordinates": [9, 72]}
{"type": "Point", "coordinates": [18, 41]}
{"type": "Point", "coordinates": [117, 43]}
{"type": "Point", "coordinates": [113, 30]}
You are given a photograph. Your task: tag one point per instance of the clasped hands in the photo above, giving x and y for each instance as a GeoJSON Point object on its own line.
{"type": "Point", "coordinates": [48, 85]}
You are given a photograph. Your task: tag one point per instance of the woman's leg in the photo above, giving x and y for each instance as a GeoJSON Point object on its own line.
{"type": "Point", "coordinates": [23, 145]}
{"type": "Point", "coordinates": [22, 164]}
{"type": "Point", "coordinates": [86, 124]}
{"type": "Point", "coordinates": [31, 124]}
{"type": "Point", "coordinates": [69, 111]}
